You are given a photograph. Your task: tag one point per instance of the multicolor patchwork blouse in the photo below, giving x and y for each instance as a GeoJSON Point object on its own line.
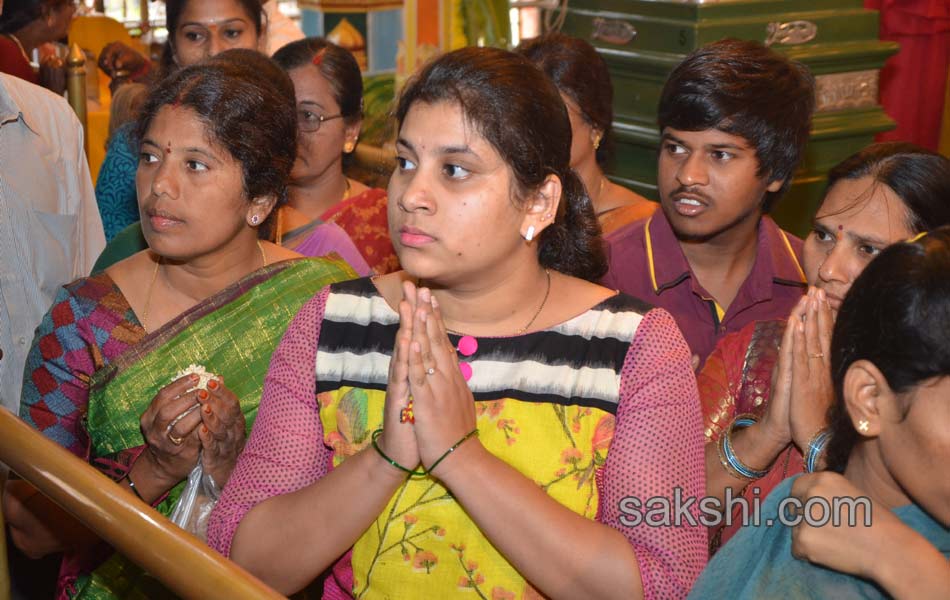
{"type": "Point", "coordinates": [601, 407]}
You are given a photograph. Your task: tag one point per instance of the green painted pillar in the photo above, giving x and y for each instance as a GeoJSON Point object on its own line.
{"type": "Point", "coordinates": [643, 40]}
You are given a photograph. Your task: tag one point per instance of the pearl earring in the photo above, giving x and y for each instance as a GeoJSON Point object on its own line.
{"type": "Point", "coordinates": [529, 235]}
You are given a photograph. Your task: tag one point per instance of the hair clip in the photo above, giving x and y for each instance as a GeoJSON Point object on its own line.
{"type": "Point", "coordinates": [318, 59]}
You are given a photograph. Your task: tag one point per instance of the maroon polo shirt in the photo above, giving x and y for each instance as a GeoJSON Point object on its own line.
{"type": "Point", "coordinates": [646, 262]}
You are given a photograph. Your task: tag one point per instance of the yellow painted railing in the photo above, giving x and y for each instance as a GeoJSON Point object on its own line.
{"type": "Point", "coordinates": [179, 560]}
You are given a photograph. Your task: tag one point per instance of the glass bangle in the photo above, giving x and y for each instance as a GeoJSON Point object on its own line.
{"type": "Point", "coordinates": [452, 449]}
{"type": "Point", "coordinates": [728, 454]}
{"type": "Point", "coordinates": [815, 449]}
{"type": "Point", "coordinates": [411, 472]}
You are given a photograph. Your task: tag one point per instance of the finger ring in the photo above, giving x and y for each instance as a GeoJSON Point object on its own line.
{"type": "Point", "coordinates": [171, 425]}
{"type": "Point", "coordinates": [430, 371]}
{"type": "Point", "coordinates": [173, 439]}
{"type": "Point", "coordinates": [817, 355]}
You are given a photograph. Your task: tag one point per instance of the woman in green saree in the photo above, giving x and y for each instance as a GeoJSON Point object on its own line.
{"type": "Point", "coordinates": [107, 373]}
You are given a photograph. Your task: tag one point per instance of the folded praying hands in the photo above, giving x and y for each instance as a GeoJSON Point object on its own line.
{"type": "Point", "coordinates": [424, 375]}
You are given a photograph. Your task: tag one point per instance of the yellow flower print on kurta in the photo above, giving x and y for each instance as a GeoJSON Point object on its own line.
{"type": "Point", "coordinates": [424, 533]}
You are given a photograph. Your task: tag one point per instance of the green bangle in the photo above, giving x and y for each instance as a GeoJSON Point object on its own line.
{"type": "Point", "coordinates": [412, 473]}
{"type": "Point", "coordinates": [452, 449]}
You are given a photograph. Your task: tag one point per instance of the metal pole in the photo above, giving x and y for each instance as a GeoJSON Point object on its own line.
{"type": "Point", "coordinates": [76, 86]}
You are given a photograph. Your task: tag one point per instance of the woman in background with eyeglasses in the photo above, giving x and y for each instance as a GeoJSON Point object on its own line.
{"type": "Point", "coordinates": [329, 89]}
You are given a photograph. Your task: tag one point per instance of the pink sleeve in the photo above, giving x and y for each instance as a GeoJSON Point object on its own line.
{"type": "Point", "coordinates": [657, 448]}
{"type": "Point", "coordinates": [344, 246]}
{"type": "Point", "coordinates": [285, 451]}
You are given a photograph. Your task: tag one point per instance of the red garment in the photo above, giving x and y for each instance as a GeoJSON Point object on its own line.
{"type": "Point", "coordinates": [364, 219]}
{"type": "Point", "coordinates": [13, 62]}
{"type": "Point", "coordinates": [737, 379]}
{"type": "Point", "coordinates": [913, 80]}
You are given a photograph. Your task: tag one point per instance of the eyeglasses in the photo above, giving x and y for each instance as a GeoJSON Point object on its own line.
{"type": "Point", "coordinates": [310, 122]}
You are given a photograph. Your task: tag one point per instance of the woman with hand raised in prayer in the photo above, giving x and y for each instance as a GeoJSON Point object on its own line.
{"type": "Point", "coordinates": [472, 423]}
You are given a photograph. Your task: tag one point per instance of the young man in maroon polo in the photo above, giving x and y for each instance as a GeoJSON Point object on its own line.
{"type": "Point", "coordinates": [734, 118]}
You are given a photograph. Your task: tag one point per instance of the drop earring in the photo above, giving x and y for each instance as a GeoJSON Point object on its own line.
{"type": "Point", "coordinates": [349, 146]}
{"type": "Point", "coordinates": [596, 140]}
{"type": "Point", "coordinates": [529, 235]}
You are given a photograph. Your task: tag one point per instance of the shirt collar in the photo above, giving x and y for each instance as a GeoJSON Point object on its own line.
{"type": "Point", "coordinates": [9, 109]}
{"type": "Point", "coordinates": [775, 260]}
{"type": "Point", "coordinates": [665, 259]}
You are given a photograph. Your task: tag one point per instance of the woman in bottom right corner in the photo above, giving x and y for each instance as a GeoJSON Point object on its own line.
{"type": "Point", "coordinates": [887, 451]}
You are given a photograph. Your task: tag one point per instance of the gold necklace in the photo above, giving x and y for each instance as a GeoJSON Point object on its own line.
{"type": "Point", "coordinates": [537, 313]}
{"type": "Point", "coordinates": [151, 285]}
{"type": "Point", "coordinates": [600, 193]}
{"type": "Point", "coordinates": [16, 41]}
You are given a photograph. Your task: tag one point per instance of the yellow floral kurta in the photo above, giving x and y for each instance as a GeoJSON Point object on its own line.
{"type": "Point", "coordinates": [424, 533]}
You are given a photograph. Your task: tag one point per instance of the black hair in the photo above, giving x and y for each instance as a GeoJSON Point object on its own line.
{"type": "Point", "coordinates": [517, 109]}
{"type": "Point", "coordinates": [743, 88]}
{"type": "Point", "coordinates": [336, 64]}
{"type": "Point", "coordinates": [581, 73]}
{"type": "Point", "coordinates": [17, 14]}
{"type": "Point", "coordinates": [919, 177]}
{"type": "Point", "coordinates": [173, 10]}
{"type": "Point", "coordinates": [896, 316]}
{"type": "Point", "coordinates": [248, 104]}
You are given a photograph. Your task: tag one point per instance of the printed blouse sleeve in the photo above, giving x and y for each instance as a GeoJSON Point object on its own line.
{"type": "Point", "coordinates": [61, 361]}
{"type": "Point", "coordinates": [718, 382]}
{"type": "Point", "coordinates": [656, 455]}
{"type": "Point", "coordinates": [285, 451]}
{"type": "Point", "coordinates": [115, 186]}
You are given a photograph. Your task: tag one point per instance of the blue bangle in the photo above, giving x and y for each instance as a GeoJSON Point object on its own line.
{"type": "Point", "coordinates": [815, 449]}
{"type": "Point", "coordinates": [729, 454]}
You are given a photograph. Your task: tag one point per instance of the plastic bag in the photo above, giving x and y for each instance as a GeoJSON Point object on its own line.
{"type": "Point", "coordinates": [196, 503]}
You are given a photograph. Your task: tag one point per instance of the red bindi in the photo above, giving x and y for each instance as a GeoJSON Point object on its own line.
{"type": "Point", "coordinates": [840, 227]}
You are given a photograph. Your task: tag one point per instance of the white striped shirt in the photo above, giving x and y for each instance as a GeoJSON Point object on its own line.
{"type": "Point", "coordinates": [50, 229]}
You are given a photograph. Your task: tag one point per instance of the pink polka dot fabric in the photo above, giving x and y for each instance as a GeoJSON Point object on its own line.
{"type": "Point", "coordinates": [657, 447]}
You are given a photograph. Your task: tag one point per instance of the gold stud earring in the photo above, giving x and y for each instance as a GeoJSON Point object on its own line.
{"type": "Point", "coordinates": [863, 426]}
{"type": "Point", "coordinates": [596, 140]}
